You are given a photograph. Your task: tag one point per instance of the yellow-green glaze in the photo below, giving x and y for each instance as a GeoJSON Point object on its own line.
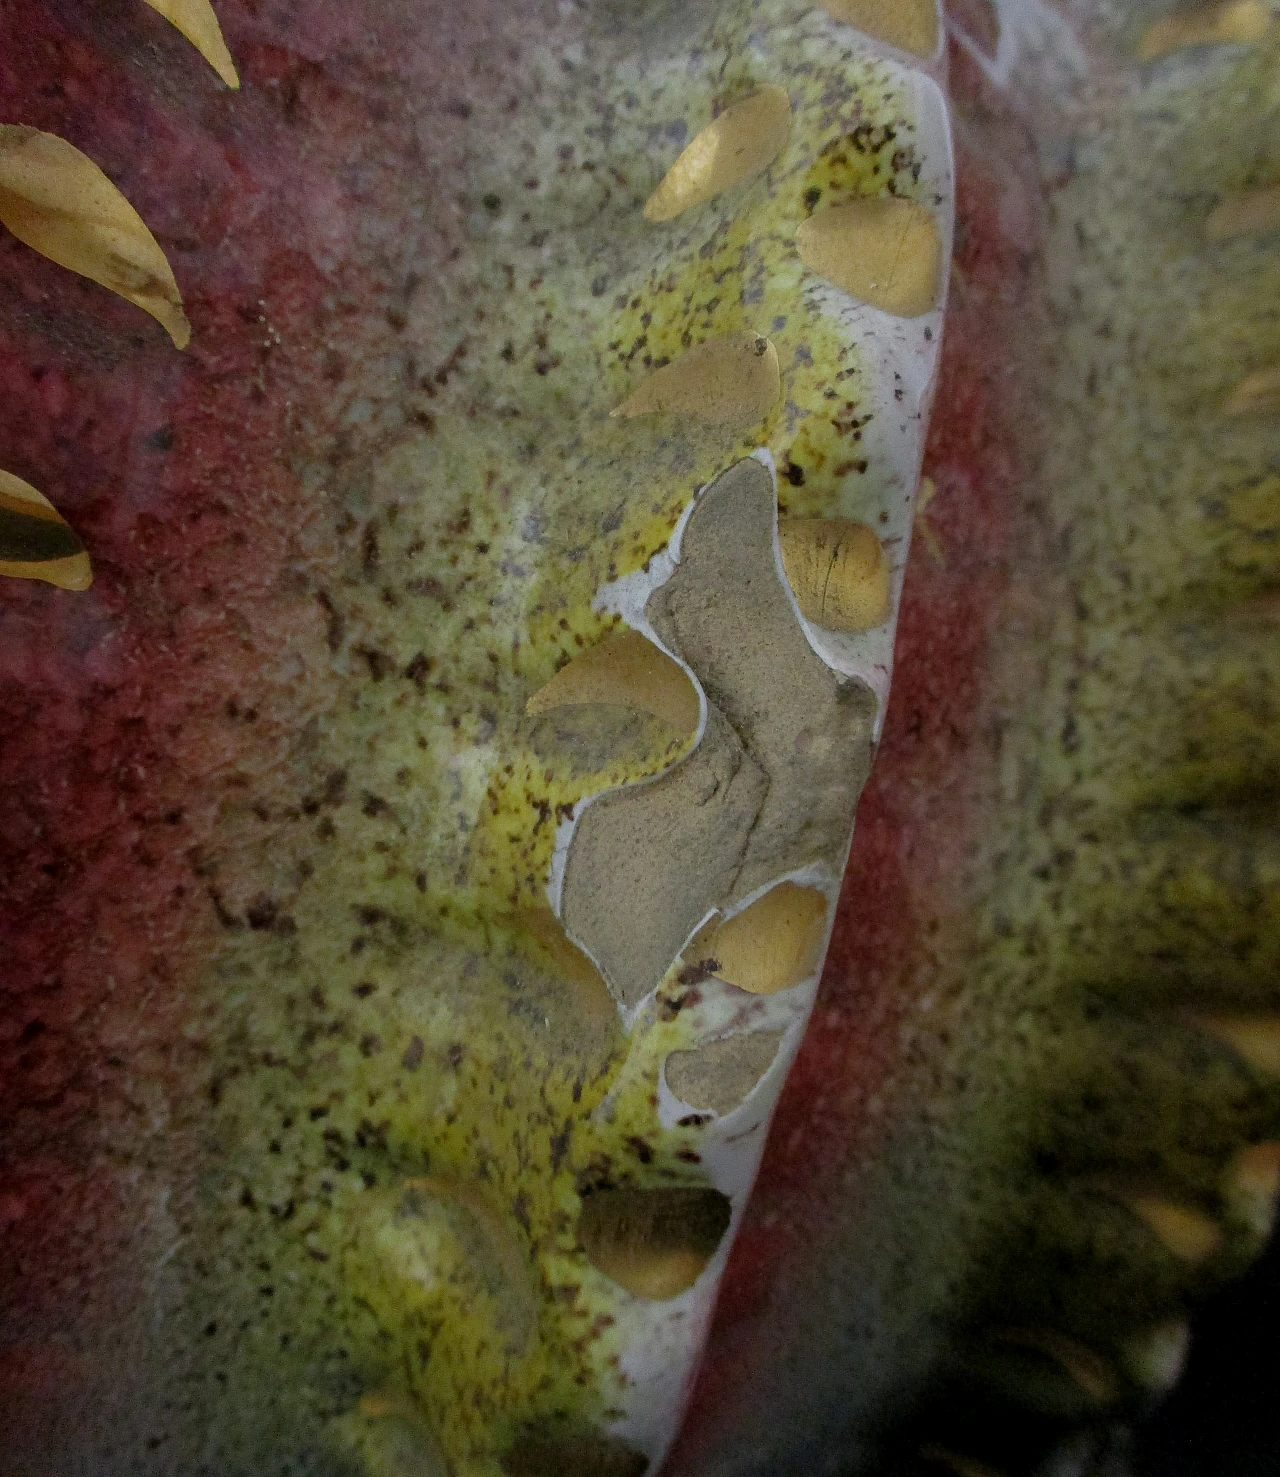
{"type": "Point", "coordinates": [407, 1028]}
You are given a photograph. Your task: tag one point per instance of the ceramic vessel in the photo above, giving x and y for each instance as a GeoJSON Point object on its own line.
{"type": "Point", "coordinates": [443, 653]}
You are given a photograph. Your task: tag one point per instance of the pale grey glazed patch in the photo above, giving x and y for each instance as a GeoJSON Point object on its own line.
{"type": "Point", "coordinates": [767, 790]}
{"type": "Point", "coordinates": [728, 613]}
{"type": "Point", "coordinates": [720, 1074]}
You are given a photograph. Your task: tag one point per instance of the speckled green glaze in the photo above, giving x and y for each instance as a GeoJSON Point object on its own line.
{"type": "Point", "coordinates": [410, 1092]}
{"type": "Point", "coordinates": [361, 1251]}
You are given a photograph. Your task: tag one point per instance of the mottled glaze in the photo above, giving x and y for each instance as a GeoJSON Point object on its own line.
{"type": "Point", "coordinates": [327, 1148]}
{"type": "Point", "coordinates": [441, 984]}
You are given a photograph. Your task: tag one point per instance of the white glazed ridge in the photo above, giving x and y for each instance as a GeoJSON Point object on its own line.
{"type": "Point", "coordinates": [899, 359]}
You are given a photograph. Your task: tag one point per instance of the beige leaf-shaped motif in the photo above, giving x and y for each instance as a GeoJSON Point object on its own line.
{"type": "Point", "coordinates": [1245, 214]}
{"type": "Point", "coordinates": [838, 571]}
{"type": "Point", "coordinates": [772, 945]}
{"type": "Point", "coordinates": [1185, 1232]}
{"type": "Point", "coordinates": [738, 145]}
{"type": "Point", "coordinates": [1256, 394]}
{"type": "Point", "coordinates": [733, 379]}
{"type": "Point", "coordinates": [625, 667]}
{"type": "Point", "coordinates": [490, 1246]}
{"type": "Point", "coordinates": [656, 1242]}
{"type": "Point", "coordinates": [883, 250]}
{"type": "Point", "coordinates": [593, 1003]}
{"type": "Point", "coordinates": [1251, 1187]}
{"type": "Point", "coordinates": [910, 25]}
{"type": "Point", "coordinates": [57, 200]}
{"type": "Point", "coordinates": [197, 22]}
{"type": "Point", "coordinates": [1254, 1038]}
{"type": "Point", "coordinates": [1088, 1370]}
{"type": "Point", "coordinates": [36, 543]}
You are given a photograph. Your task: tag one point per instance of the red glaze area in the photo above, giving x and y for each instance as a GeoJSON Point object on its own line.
{"type": "Point", "coordinates": [904, 913]}
{"type": "Point", "coordinates": [131, 715]}
{"type": "Point", "coordinates": [137, 718]}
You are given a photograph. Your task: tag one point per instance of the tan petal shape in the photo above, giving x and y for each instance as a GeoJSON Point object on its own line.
{"type": "Point", "coordinates": [920, 523]}
{"type": "Point", "coordinates": [1255, 1038]}
{"type": "Point", "coordinates": [838, 571]}
{"type": "Point", "coordinates": [378, 1407]}
{"type": "Point", "coordinates": [655, 1243]}
{"type": "Point", "coordinates": [729, 380]}
{"type": "Point", "coordinates": [1251, 1187]}
{"type": "Point", "coordinates": [1262, 611]}
{"type": "Point", "coordinates": [773, 944]}
{"type": "Point", "coordinates": [1087, 1370]}
{"type": "Point", "coordinates": [197, 22]}
{"type": "Point", "coordinates": [36, 543]}
{"type": "Point", "coordinates": [1238, 21]}
{"type": "Point", "coordinates": [1245, 214]}
{"type": "Point", "coordinates": [884, 251]}
{"type": "Point", "coordinates": [628, 669]}
{"type": "Point", "coordinates": [910, 25]}
{"type": "Point", "coordinates": [1256, 394]}
{"type": "Point", "coordinates": [734, 147]}
{"type": "Point", "coordinates": [1188, 1234]}
{"type": "Point", "coordinates": [57, 200]}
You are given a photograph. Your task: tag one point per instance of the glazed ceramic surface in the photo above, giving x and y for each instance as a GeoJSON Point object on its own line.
{"type": "Point", "coordinates": [437, 698]}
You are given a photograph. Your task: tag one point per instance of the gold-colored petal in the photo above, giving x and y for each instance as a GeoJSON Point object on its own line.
{"type": "Point", "coordinates": [1245, 214]}
{"type": "Point", "coordinates": [910, 25]}
{"type": "Point", "coordinates": [1088, 1371]}
{"type": "Point", "coordinates": [1256, 394]}
{"type": "Point", "coordinates": [60, 203]}
{"type": "Point", "coordinates": [885, 251]}
{"type": "Point", "coordinates": [378, 1407]}
{"type": "Point", "coordinates": [628, 669]}
{"type": "Point", "coordinates": [1188, 1234]}
{"type": "Point", "coordinates": [655, 1243]}
{"type": "Point", "coordinates": [1261, 612]}
{"type": "Point", "coordinates": [1225, 22]}
{"type": "Point", "coordinates": [838, 571]}
{"type": "Point", "coordinates": [1251, 1187]}
{"type": "Point", "coordinates": [734, 147]}
{"type": "Point", "coordinates": [36, 542]}
{"type": "Point", "coordinates": [771, 945]}
{"type": "Point", "coordinates": [729, 380]}
{"type": "Point", "coordinates": [197, 22]}
{"type": "Point", "coordinates": [1255, 1038]}
{"type": "Point", "coordinates": [920, 521]}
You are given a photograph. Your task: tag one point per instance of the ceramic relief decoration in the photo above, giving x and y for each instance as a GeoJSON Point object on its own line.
{"type": "Point", "coordinates": [469, 477]}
